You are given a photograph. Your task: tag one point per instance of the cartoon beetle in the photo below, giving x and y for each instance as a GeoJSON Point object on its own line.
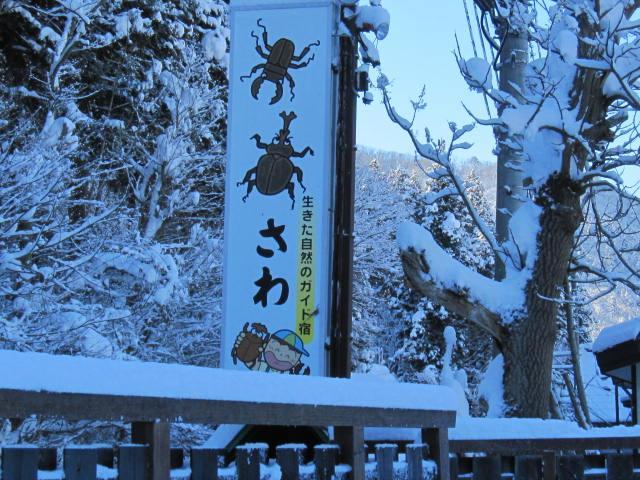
{"type": "Point", "coordinates": [280, 58]}
{"type": "Point", "coordinates": [250, 344]}
{"type": "Point", "coordinates": [275, 169]}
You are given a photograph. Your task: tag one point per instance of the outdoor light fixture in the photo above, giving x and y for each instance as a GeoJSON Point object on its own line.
{"type": "Point", "coordinates": [374, 19]}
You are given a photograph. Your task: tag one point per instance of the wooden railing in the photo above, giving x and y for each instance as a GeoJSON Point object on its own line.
{"type": "Point", "coordinates": [130, 462]}
{"type": "Point", "coordinates": [601, 458]}
{"type": "Point", "coordinates": [150, 396]}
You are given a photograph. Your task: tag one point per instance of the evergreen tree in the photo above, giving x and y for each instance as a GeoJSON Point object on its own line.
{"type": "Point", "coordinates": [422, 322]}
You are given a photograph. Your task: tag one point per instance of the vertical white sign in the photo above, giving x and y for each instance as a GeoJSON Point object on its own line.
{"type": "Point", "coordinates": [280, 181]}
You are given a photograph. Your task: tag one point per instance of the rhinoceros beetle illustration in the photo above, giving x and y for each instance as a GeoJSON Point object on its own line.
{"type": "Point", "coordinates": [275, 170]}
{"type": "Point", "coordinates": [280, 58]}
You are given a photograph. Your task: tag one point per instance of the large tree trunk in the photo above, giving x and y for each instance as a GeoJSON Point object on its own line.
{"type": "Point", "coordinates": [527, 342]}
{"type": "Point", "coordinates": [528, 348]}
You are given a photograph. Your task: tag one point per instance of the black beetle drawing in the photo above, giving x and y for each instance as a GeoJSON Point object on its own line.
{"type": "Point", "coordinates": [280, 58]}
{"type": "Point", "coordinates": [275, 169]}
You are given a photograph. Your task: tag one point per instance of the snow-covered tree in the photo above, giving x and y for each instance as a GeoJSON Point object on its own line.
{"type": "Point", "coordinates": [378, 206]}
{"type": "Point", "coordinates": [569, 129]}
{"type": "Point", "coordinates": [421, 345]}
{"type": "Point", "coordinates": [113, 128]}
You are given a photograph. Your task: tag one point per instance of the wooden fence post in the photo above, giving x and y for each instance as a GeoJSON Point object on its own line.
{"type": "Point", "coordinates": [133, 462]}
{"type": "Point", "coordinates": [487, 468]}
{"type": "Point", "coordinates": [48, 459]}
{"type": "Point", "coordinates": [415, 454]}
{"type": "Point", "coordinates": [156, 435]}
{"type": "Point", "coordinates": [438, 441]}
{"type": "Point", "coordinates": [352, 450]}
{"type": "Point", "coordinates": [104, 456]}
{"type": "Point", "coordinates": [204, 463]}
{"type": "Point", "coordinates": [176, 458]}
{"type": "Point", "coordinates": [80, 463]}
{"type": "Point", "coordinates": [248, 460]}
{"type": "Point", "coordinates": [454, 467]}
{"type": "Point", "coordinates": [528, 467]}
{"type": "Point", "coordinates": [20, 463]}
{"type": "Point", "coordinates": [619, 466]}
{"type": "Point", "coordinates": [289, 458]}
{"type": "Point", "coordinates": [385, 456]}
{"type": "Point", "coordinates": [570, 467]}
{"type": "Point", "coordinates": [325, 458]}
{"type": "Point", "coordinates": [549, 460]}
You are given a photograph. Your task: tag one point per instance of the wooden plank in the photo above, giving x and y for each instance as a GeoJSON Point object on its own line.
{"type": "Point", "coordinates": [438, 441]}
{"type": "Point", "coordinates": [385, 456]}
{"type": "Point", "coordinates": [204, 463]}
{"type": "Point", "coordinates": [352, 449]}
{"type": "Point", "coordinates": [156, 436]}
{"type": "Point", "coordinates": [619, 466]}
{"type": "Point", "coordinates": [325, 458]}
{"type": "Point", "coordinates": [79, 406]}
{"type": "Point", "coordinates": [80, 463]}
{"type": "Point", "coordinates": [415, 453]}
{"type": "Point", "coordinates": [248, 460]}
{"type": "Point", "coordinates": [289, 458]}
{"type": "Point", "coordinates": [570, 467]}
{"type": "Point", "coordinates": [20, 463]}
{"type": "Point", "coordinates": [528, 467]}
{"type": "Point", "coordinates": [133, 462]}
{"type": "Point", "coordinates": [487, 468]}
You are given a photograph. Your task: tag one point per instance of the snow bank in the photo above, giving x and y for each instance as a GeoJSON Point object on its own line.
{"type": "Point", "coordinates": [531, 428]}
{"type": "Point", "coordinates": [505, 429]}
{"type": "Point", "coordinates": [65, 374]}
{"type": "Point", "coordinates": [616, 334]}
{"type": "Point", "coordinates": [491, 387]}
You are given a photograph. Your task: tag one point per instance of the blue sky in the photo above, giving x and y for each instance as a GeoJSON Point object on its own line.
{"type": "Point", "coordinates": [419, 51]}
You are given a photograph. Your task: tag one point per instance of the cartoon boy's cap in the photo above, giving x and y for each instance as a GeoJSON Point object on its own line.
{"type": "Point", "coordinates": [291, 339]}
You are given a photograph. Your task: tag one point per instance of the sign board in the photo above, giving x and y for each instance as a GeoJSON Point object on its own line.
{"type": "Point", "coordinates": [280, 185]}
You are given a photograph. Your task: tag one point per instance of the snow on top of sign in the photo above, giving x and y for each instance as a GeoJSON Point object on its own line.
{"type": "Point", "coordinates": [616, 334]}
{"type": "Point", "coordinates": [66, 374]}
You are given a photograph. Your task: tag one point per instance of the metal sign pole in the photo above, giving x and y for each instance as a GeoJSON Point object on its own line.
{"type": "Point", "coordinates": [340, 323]}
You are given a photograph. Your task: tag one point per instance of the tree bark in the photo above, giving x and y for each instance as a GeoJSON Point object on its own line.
{"type": "Point", "coordinates": [528, 351]}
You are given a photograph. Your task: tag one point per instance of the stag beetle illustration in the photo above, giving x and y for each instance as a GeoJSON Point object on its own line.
{"type": "Point", "coordinates": [280, 58]}
{"type": "Point", "coordinates": [275, 170]}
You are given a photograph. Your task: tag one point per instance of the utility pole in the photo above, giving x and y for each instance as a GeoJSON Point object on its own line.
{"type": "Point", "coordinates": [340, 326]}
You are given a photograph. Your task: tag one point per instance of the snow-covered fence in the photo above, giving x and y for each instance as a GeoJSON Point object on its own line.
{"type": "Point", "coordinates": [130, 462]}
{"type": "Point", "coordinates": [151, 395]}
{"type": "Point", "coordinates": [566, 458]}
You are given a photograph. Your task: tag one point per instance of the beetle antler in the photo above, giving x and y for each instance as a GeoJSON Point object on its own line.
{"type": "Point", "coordinates": [287, 119]}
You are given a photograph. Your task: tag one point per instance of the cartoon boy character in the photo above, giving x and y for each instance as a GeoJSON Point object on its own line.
{"type": "Point", "coordinates": [270, 352]}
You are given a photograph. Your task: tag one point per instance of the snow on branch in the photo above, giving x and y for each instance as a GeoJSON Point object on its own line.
{"type": "Point", "coordinates": [433, 272]}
